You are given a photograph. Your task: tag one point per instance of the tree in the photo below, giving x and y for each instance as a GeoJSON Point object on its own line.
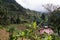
{"type": "Point", "coordinates": [43, 16]}
{"type": "Point", "coordinates": [55, 19]}
{"type": "Point", "coordinates": [50, 7]}
{"type": "Point", "coordinates": [54, 14]}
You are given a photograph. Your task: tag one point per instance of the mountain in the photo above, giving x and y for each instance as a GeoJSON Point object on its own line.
{"type": "Point", "coordinates": [11, 6]}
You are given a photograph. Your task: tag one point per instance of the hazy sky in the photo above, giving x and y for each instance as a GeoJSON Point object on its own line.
{"type": "Point", "coordinates": [37, 4]}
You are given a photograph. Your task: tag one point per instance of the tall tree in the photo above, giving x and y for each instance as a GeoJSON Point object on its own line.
{"type": "Point", "coordinates": [50, 7]}
{"type": "Point", "coordinates": [55, 20]}
{"type": "Point", "coordinates": [54, 14]}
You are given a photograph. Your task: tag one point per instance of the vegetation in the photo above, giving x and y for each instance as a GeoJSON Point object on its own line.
{"type": "Point", "coordinates": [54, 20]}
{"type": "Point", "coordinates": [23, 23]}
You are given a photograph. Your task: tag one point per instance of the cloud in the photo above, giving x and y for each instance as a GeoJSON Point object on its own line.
{"type": "Point", "coordinates": [37, 4]}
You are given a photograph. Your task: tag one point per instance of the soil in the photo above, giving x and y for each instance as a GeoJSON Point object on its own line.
{"type": "Point", "coordinates": [21, 27]}
{"type": "Point", "coordinates": [4, 35]}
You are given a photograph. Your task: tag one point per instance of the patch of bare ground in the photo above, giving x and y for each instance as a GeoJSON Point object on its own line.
{"type": "Point", "coordinates": [21, 27]}
{"type": "Point", "coordinates": [4, 35]}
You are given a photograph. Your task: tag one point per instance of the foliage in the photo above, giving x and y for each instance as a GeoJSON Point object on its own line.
{"type": "Point", "coordinates": [34, 25]}
{"type": "Point", "coordinates": [54, 17]}
{"type": "Point", "coordinates": [13, 13]}
{"type": "Point", "coordinates": [54, 20]}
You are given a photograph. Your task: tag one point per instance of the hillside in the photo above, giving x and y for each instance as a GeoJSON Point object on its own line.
{"type": "Point", "coordinates": [10, 9]}
{"type": "Point", "coordinates": [11, 6]}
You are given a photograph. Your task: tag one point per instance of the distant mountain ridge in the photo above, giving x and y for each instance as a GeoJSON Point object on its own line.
{"type": "Point", "coordinates": [12, 7]}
